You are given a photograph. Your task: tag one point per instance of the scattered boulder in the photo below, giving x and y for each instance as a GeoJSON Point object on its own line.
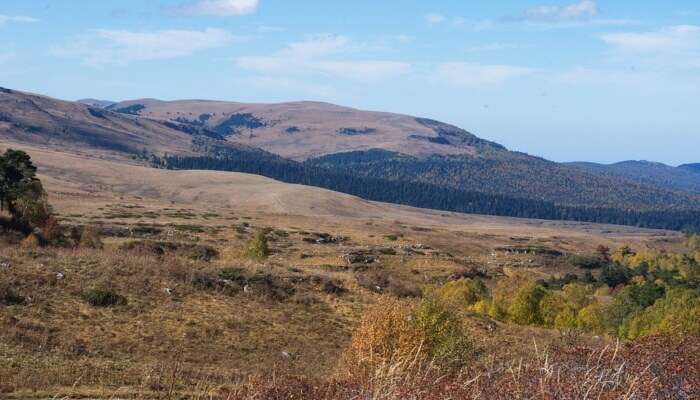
{"type": "Point", "coordinates": [359, 257]}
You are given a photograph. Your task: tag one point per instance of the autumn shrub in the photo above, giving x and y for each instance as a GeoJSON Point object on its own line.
{"type": "Point", "coordinates": [385, 332]}
{"type": "Point", "coordinates": [394, 329]}
{"type": "Point", "coordinates": [32, 241]}
{"type": "Point", "coordinates": [443, 335]}
{"type": "Point", "coordinates": [462, 293]}
{"type": "Point", "coordinates": [677, 313]}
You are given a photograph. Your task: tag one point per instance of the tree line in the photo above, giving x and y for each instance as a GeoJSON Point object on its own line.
{"type": "Point", "coordinates": [411, 193]}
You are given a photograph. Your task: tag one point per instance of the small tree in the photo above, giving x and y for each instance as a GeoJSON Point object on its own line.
{"type": "Point", "coordinates": [258, 248]}
{"type": "Point", "coordinates": [21, 192]}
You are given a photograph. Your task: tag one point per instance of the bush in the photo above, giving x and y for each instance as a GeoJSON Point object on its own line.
{"type": "Point", "coordinates": [90, 238]}
{"type": "Point", "coordinates": [677, 313]}
{"type": "Point", "coordinates": [32, 241]}
{"type": "Point", "coordinates": [393, 331]}
{"type": "Point", "coordinates": [258, 248]}
{"type": "Point", "coordinates": [103, 298]}
{"type": "Point", "coordinates": [232, 274]}
{"type": "Point", "coordinates": [331, 287]}
{"type": "Point", "coordinates": [442, 333]}
{"type": "Point", "coordinates": [386, 333]}
{"type": "Point", "coordinates": [462, 293]}
{"type": "Point", "coordinates": [8, 296]}
{"type": "Point", "coordinates": [615, 274]}
{"type": "Point", "coordinates": [33, 209]}
{"type": "Point", "coordinates": [525, 307]}
{"type": "Point", "coordinates": [586, 262]}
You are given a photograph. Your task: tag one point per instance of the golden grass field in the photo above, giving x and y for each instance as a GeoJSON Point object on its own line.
{"type": "Point", "coordinates": [172, 332]}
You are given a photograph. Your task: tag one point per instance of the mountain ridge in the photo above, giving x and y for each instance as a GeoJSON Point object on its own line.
{"type": "Point", "coordinates": [387, 152]}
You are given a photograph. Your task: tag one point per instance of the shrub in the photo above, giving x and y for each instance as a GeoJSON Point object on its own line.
{"type": "Point", "coordinates": [677, 313]}
{"type": "Point", "coordinates": [586, 262]}
{"type": "Point", "coordinates": [462, 293]}
{"type": "Point", "coordinates": [8, 296]}
{"type": "Point", "coordinates": [103, 298]}
{"type": "Point", "coordinates": [525, 307]}
{"type": "Point", "coordinates": [32, 241]}
{"type": "Point", "coordinates": [443, 335]}
{"type": "Point", "coordinates": [558, 283]}
{"type": "Point", "coordinates": [232, 274]}
{"type": "Point", "coordinates": [331, 287]}
{"type": "Point", "coordinates": [90, 238]}
{"type": "Point", "coordinates": [258, 248]}
{"type": "Point", "coordinates": [385, 333]}
{"type": "Point", "coordinates": [615, 274]}
{"type": "Point", "coordinates": [33, 209]}
{"type": "Point", "coordinates": [204, 280]}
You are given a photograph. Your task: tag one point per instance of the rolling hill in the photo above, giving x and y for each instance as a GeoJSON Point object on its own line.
{"type": "Point", "coordinates": [376, 156]}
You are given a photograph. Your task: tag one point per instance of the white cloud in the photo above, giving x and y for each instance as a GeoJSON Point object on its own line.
{"type": "Point", "coordinates": [674, 46]}
{"type": "Point", "coordinates": [583, 10]}
{"type": "Point", "coordinates": [120, 47]}
{"type": "Point", "coordinates": [435, 18]}
{"type": "Point", "coordinates": [490, 47]}
{"type": "Point", "coordinates": [219, 8]}
{"type": "Point", "coordinates": [472, 74]}
{"type": "Point", "coordinates": [5, 19]}
{"type": "Point", "coordinates": [324, 55]}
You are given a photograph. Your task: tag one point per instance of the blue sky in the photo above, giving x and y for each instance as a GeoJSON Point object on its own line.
{"type": "Point", "coordinates": [567, 80]}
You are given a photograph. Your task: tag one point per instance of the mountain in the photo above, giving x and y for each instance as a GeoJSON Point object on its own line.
{"type": "Point", "coordinates": [650, 173]}
{"type": "Point", "coordinates": [304, 130]}
{"type": "Point", "coordinates": [36, 119]}
{"type": "Point", "coordinates": [408, 149]}
{"type": "Point", "coordinates": [96, 103]}
{"type": "Point", "coordinates": [376, 156]}
{"type": "Point", "coordinates": [691, 167]}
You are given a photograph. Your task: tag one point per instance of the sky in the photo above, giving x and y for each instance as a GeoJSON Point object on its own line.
{"type": "Point", "coordinates": [567, 80]}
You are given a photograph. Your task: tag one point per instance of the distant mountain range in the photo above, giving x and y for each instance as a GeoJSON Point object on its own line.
{"type": "Point", "coordinates": [379, 156]}
{"type": "Point", "coordinates": [691, 167]}
{"type": "Point", "coordinates": [683, 178]}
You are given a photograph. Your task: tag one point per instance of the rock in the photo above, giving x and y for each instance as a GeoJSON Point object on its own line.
{"type": "Point", "coordinates": [358, 258]}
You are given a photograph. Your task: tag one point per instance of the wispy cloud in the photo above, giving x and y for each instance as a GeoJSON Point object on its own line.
{"type": "Point", "coordinates": [673, 46]}
{"type": "Point", "coordinates": [218, 8]}
{"type": "Point", "coordinates": [583, 10]}
{"type": "Point", "coordinates": [474, 74]}
{"type": "Point", "coordinates": [582, 13]}
{"type": "Point", "coordinates": [489, 47]}
{"type": "Point", "coordinates": [18, 19]}
{"type": "Point", "coordinates": [121, 47]}
{"type": "Point", "coordinates": [329, 55]}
